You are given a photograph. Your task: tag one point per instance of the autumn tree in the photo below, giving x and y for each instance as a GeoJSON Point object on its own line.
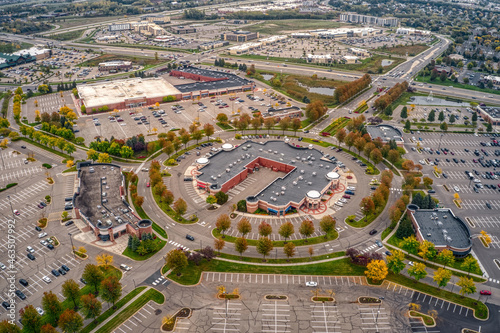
{"type": "Point", "coordinates": [315, 110]}
{"type": "Point", "coordinates": [180, 207]}
{"type": "Point", "coordinates": [30, 318]}
{"type": "Point", "coordinates": [240, 245]}
{"type": "Point", "coordinates": [264, 246]}
{"type": "Point", "coordinates": [395, 262]}
{"type": "Point", "coordinates": [93, 275]}
{"type": "Point", "coordinates": [417, 271]}
{"type": "Point", "coordinates": [104, 259]}
{"type": "Point", "coordinates": [426, 250]}
{"type": "Point", "coordinates": [265, 229]}
{"type": "Point", "coordinates": [286, 230]}
{"type": "Point", "coordinates": [327, 225]}
{"type": "Point", "coordinates": [223, 223]}
{"type": "Point", "coordinates": [410, 244]}
{"type": "Point", "coordinates": [376, 270]}
{"type": "Point", "coordinates": [91, 307]}
{"type": "Point", "coordinates": [367, 206]}
{"type": "Point", "coordinates": [446, 257]}
{"type": "Point", "coordinates": [442, 277]}
{"type": "Point", "coordinates": [47, 328]}
{"type": "Point", "coordinates": [52, 307]}
{"type": "Point", "coordinates": [467, 285]}
{"type": "Point", "coordinates": [289, 250]}
{"type": "Point", "coordinates": [176, 259]}
{"type": "Point", "coordinates": [485, 237]}
{"type": "Point", "coordinates": [219, 244]}
{"type": "Point", "coordinates": [340, 136]}
{"type": "Point", "coordinates": [70, 321]}
{"type": "Point", "coordinates": [469, 264]}
{"type": "Point", "coordinates": [244, 226]}
{"type": "Point", "coordinates": [306, 228]}
{"type": "Point", "coordinates": [71, 290]}
{"type": "Point", "coordinates": [111, 289]}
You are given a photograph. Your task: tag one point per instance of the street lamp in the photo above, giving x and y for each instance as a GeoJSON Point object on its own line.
{"type": "Point", "coordinates": [11, 209]}
{"type": "Point", "coordinates": [72, 248]}
{"type": "Point", "coordinates": [378, 311]}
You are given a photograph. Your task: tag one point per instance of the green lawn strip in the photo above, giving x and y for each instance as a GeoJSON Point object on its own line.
{"type": "Point", "coordinates": [150, 295]}
{"type": "Point", "coordinates": [361, 223]}
{"type": "Point", "coordinates": [34, 143]}
{"type": "Point", "coordinates": [108, 313]}
{"type": "Point", "coordinates": [70, 35]}
{"type": "Point", "coordinates": [481, 311]}
{"type": "Point", "coordinates": [297, 242]}
{"type": "Point", "coordinates": [72, 169]}
{"type": "Point", "coordinates": [136, 256]}
{"type": "Point", "coordinates": [402, 50]}
{"type": "Point", "coordinates": [448, 82]}
{"type": "Point", "coordinates": [282, 261]}
{"type": "Point", "coordinates": [191, 274]}
{"type": "Point", "coordinates": [385, 233]}
{"type": "Point", "coordinates": [394, 241]}
{"type": "Point", "coordinates": [336, 126]}
{"type": "Point", "coordinates": [428, 320]}
{"type": "Point", "coordinates": [170, 212]}
{"type": "Point", "coordinates": [391, 167]}
{"type": "Point", "coordinates": [224, 127]}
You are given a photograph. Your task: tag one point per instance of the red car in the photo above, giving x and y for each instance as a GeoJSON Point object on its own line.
{"type": "Point", "coordinates": [147, 184]}
{"type": "Point", "coordinates": [347, 196]}
{"type": "Point", "coordinates": [485, 292]}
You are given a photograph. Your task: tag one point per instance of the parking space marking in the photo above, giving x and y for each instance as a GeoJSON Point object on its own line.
{"type": "Point", "coordinates": [275, 317]}
{"type": "Point", "coordinates": [226, 317]}
{"type": "Point", "coordinates": [324, 318]}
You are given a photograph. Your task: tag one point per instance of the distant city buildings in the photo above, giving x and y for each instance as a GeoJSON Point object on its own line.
{"type": "Point", "coordinates": [411, 31]}
{"type": "Point", "coordinates": [239, 36]}
{"type": "Point", "coordinates": [366, 19]}
{"type": "Point", "coordinates": [182, 30]}
{"type": "Point", "coordinates": [115, 66]}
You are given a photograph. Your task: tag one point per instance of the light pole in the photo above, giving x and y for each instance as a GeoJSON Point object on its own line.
{"type": "Point", "coordinates": [378, 311]}
{"type": "Point", "coordinates": [72, 248]}
{"type": "Point", "coordinates": [11, 209]}
{"type": "Point", "coordinates": [439, 146]}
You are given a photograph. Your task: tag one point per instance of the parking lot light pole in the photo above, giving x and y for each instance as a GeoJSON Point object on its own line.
{"type": "Point", "coordinates": [378, 311]}
{"type": "Point", "coordinates": [72, 248]}
{"type": "Point", "coordinates": [439, 146]}
{"type": "Point", "coordinates": [11, 209]}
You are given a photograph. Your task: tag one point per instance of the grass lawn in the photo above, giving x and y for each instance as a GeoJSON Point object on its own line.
{"type": "Point", "coordinates": [70, 35]}
{"type": "Point", "coordinates": [136, 256]}
{"type": "Point", "coordinates": [412, 50]}
{"type": "Point", "coordinates": [150, 295]}
{"type": "Point", "coordinates": [274, 27]}
{"type": "Point", "coordinates": [428, 320]}
{"type": "Point", "coordinates": [283, 261]}
{"type": "Point", "coordinates": [111, 311]}
{"type": "Point", "coordinates": [191, 274]}
{"type": "Point", "coordinates": [448, 82]}
{"type": "Point", "coordinates": [136, 60]}
{"type": "Point", "coordinates": [297, 242]}
{"type": "Point", "coordinates": [72, 169]}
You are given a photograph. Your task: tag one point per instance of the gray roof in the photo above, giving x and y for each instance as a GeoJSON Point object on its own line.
{"type": "Point", "coordinates": [493, 112]}
{"type": "Point", "coordinates": [441, 227]}
{"type": "Point", "coordinates": [229, 80]}
{"type": "Point", "coordinates": [385, 132]}
{"type": "Point", "coordinates": [306, 161]}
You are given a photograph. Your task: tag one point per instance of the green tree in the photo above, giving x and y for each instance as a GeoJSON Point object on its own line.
{"type": "Point", "coordinates": [223, 223]}
{"type": "Point", "coordinates": [244, 226]}
{"type": "Point", "coordinates": [211, 200]}
{"type": "Point", "coordinates": [264, 246]}
{"type": "Point", "coordinates": [474, 117]}
{"type": "Point", "coordinates": [444, 126]}
{"type": "Point", "coordinates": [71, 290]}
{"type": "Point", "coordinates": [52, 307]}
{"type": "Point", "coordinates": [306, 228]}
{"type": "Point", "coordinates": [240, 245]}
{"type": "Point", "coordinates": [426, 250]}
{"type": "Point", "coordinates": [180, 207]}
{"type": "Point", "coordinates": [410, 244]}
{"type": "Point", "coordinates": [7, 327]}
{"type": "Point", "coordinates": [441, 116]}
{"type": "Point", "coordinates": [111, 289]}
{"type": "Point", "coordinates": [176, 260]}
{"type": "Point", "coordinates": [407, 125]}
{"type": "Point", "coordinates": [395, 262]}
{"type": "Point", "coordinates": [93, 275]}
{"type": "Point", "coordinates": [452, 119]}
{"type": "Point", "coordinates": [31, 320]}
{"type": "Point", "coordinates": [327, 225]}
{"type": "Point", "coordinates": [104, 158]}
{"type": "Point", "coordinates": [92, 154]}
{"type": "Point", "coordinates": [432, 116]}
{"type": "Point", "coordinates": [446, 257]}
{"type": "Point", "coordinates": [417, 271]}
{"type": "Point", "coordinates": [489, 127]}
{"type": "Point", "coordinates": [286, 230]}
{"type": "Point", "coordinates": [404, 112]}
{"type": "Point", "coordinates": [469, 264]}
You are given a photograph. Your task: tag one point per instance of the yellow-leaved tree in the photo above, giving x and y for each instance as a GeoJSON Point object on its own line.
{"type": "Point", "coordinates": [376, 270]}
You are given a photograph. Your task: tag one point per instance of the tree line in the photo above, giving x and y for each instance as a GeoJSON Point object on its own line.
{"type": "Point", "coordinates": [348, 90]}
{"type": "Point", "coordinates": [392, 95]}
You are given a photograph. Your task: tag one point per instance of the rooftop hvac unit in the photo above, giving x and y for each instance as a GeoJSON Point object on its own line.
{"type": "Point", "coordinates": [444, 217]}
{"type": "Point", "coordinates": [308, 157]}
{"type": "Point", "coordinates": [230, 165]}
{"type": "Point", "coordinates": [294, 183]}
{"type": "Point", "coordinates": [283, 188]}
{"type": "Point", "coordinates": [275, 151]}
{"type": "Point", "coordinates": [218, 176]}
{"type": "Point", "coordinates": [313, 158]}
{"type": "Point", "coordinates": [310, 163]}
{"type": "Point", "coordinates": [269, 150]}
{"type": "Point", "coordinates": [227, 170]}
{"type": "Point", "coordinates": [292, 161]}
{"type": "Point", "coordinates": [301, 178]}
{"type": "Point", "coordinates": [309, 183]}
{"type": "Point", "coordinates": [282, 192]}
{"type": "Point", "coordinates": [249, 145]}
{"type": "Point", "coordinates": [321, 165]}
{"type": "Point", "coordinates": [428, 235]}
{"type": "Point", "coordinates": [260, 149]}
{"type": "Point", "coordinates": [244, 148]}
{"type": "Point", "coordinates": [302, 171]}
{"type": "Point", "coordinates": [281, 159]}
{"type": "Point", "coordinates": [274, 199]}
{"type": "Point", "coordinates": [327, 167]}
{"type": "Point", "coordinates": [314, 173]}
{"type": "Point", "coordinates": [239, 160]}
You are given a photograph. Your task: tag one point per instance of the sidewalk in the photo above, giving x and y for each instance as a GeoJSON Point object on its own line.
{"type": "Point", "coordinates": [120, 309]}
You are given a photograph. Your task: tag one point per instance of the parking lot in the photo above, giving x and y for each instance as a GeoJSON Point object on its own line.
{"type": "Point", "coordinates": [46, 103]}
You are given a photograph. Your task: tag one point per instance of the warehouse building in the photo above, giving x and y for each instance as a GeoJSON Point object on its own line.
{"type": "Point", "coordinates": [239, 36]}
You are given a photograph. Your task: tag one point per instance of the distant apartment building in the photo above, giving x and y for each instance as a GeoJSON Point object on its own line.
{"type": "Point", "coordinates": [365, 19]}
{"type": "Point", "coordinates": [182, 30]}
{"type": "Point", "coordinates": [119, 27]}
{"type": "Point", "coordinates": [411, 31]}
{"type": "Point", "coordinates": [239, 36]}
{"type": "Point", "coordinates": [149, 29]}
{"type": "Point", "coordinates": [114, 66]}
{"type": "Point", "coordinates": [319, 58]}
{"type": "Point", "coordinates": [212, 45]}
{"type": "Point", "coordinates": [156, 18]}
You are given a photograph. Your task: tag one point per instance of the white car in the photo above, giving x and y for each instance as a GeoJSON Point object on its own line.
{"type": "Point", "coordinates": [2, 266]}
{"type": "Point", "coordinates": [311, 284]}
{"type": "Point", "coordinates": [410, 263]}
{"type": "Point", "coordinates": [44, 243]}
{"type": "Point", "coordinates": [40, 311]}
{"type": "Point", "coordinates": [41, 235]}
{"type": "Point", "coordinates": [456, 189]}
{"type": "Point", "coordinates": [47, 279]}
{"type": "Point", "coordinates": [30, 249]}
{"type": "Point", "coordinates": [477, 180]}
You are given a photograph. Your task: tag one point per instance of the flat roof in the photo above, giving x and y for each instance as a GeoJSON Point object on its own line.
{"type": "Point", "coordinates": [309, 173]}
{"type": "Point", "coordinates": [385, 132]}
{"type": "Point", "coordinates": [92, 187]}
{"type": "Point", "coordinates": [230, 81]}
{"type": "Point", "coordinates": [493, 112]}
{"type": "Point", "coordinates": [441, 227]}
{"type": "Point", "coordinates": [112, 92]}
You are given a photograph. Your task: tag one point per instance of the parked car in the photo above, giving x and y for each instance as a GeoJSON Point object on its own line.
{"type": "Point", "coordinates": [485, 292]}
{"type": "Point", "coordinates": [373, 232]}
{"type": "Point", "coordinates": [311, 284]}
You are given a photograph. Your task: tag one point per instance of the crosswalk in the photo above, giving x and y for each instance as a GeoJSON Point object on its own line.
{"type": "Point", "coordinates": [177, 245]}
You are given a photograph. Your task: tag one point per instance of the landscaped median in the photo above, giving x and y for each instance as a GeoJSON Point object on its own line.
{"type": "Point", "coordinates": [298, 242]}
{"type": "Point", "coordinates": [190, 275]}
{"type": "Point", "coordinates": [150, 295]}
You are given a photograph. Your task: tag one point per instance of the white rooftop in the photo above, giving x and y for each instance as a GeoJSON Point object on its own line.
{"type": "Point", "coordinates": [112, 92]}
